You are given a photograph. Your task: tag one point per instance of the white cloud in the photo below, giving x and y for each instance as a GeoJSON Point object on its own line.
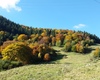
{"type": "Point", "coordinates": [9, 4]}
{"type": "Point", "coordinates": [79, 26]}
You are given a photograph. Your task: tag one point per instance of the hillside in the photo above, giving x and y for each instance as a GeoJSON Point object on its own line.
{"type": "Point", "coordinates": [72, 66]}
{"type": "Point", "coordinates": [9, 30]}
{"type": "Point", "coordinates": [41, 40]}
{"type": "Point", "coordinates": [28, 45]}
{"type": "Point", "coordinates": [12, 27]}
{"type": "Point", "coordinates": [47, 54]}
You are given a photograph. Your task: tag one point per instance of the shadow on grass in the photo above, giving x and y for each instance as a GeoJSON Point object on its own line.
{"type": "Point", "coordinates": [88, 50]}
{"type": "Point", "coordinates": [55, 60]}
{"type": "Point", "coordinates": [59, 56]}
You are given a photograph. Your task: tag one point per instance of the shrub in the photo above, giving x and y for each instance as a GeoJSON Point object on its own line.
{"type": "Point", "coordinates": [73, 49]}
{"type": "Point", "coordinates": [58, 43]}
{"type": "Point", "coordinates": [6, 64]}
{"type": "Point", "coordinates": [96, 53]}
{"type": "Point", "coordinates": [47, 57]}
{"type": "Point", "coordinates": [79, 48]}
{"type": "Point", "coordinates": [40, 52]}
{"type": "Point", "coordinates": [17, 52]}
{"type": "Point", "coordinates": [67, 47]}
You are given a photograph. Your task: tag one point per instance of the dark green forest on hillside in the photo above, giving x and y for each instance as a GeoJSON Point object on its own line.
{"type": "Point", "coordinates": [36, 43]}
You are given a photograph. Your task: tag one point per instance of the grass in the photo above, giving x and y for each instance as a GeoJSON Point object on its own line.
{"type": "Point", "coordinates": [69, 66]}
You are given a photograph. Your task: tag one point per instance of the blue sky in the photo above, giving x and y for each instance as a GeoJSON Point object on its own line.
{"type": "Point", "coordinates": [81, 15]}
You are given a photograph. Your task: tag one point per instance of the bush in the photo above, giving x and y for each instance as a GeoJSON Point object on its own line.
{"type": "Point", "coordinates": [73, 49]}
{"type": "Point", "coordinates": [79, 48]}
{"type": "Point", "coordinates": [58, 43]}
{"type": "Point", "coordinates": [43, 52]}
{"type": "Point", "coordinates": [6, 64]}
{"type": "Point", "coordinates": [96, 53]}
{"type": "Point", "coordinates": [17, 52]}
{"type": "Point", "coordinates": [67, 47]}
{"type": "Point", "coordinates": [47, 57]}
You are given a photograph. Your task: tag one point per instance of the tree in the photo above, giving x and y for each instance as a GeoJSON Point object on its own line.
{"type": "Point", "coordinates": [79, 48]}
{"type": "Point", "coordinates": [53, 41]}
{"type": "Point", "coordinates": [22, 37]}
{"type": "Point", "coordinates": [67, 47]}
{"type": "Point", "coordinates": [68, 37]}
{"type": "Point", "coordinates": [74, 35]}
{"type": "Point", "coordinates": [73, 49]}
{"type": "Point", "coordinates": [44, 40]}
{"type": "Point", "coordinates": [58, 43]}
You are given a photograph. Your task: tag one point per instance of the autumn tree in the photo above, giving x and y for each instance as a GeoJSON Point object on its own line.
{"type": "Point", "coordinates": [22, 37]}
{"type": "Point", "coordinates": [42, 52]}
{"type": "Point", "coordinates": [67, 47]}
{"type": "Point", "coordinates": [58, 43]}
{"type": "Point", "coordinates": [79, 48]}
{"type": "Point", "coordinates": [75, 35]}
{"type": "Point", "coordinates": [68, 38]}
{"type": "Point", "coordinates": [44, 40]}
{"type": "Point", "coordinates": [53, 41]}
{"type": "Point", "coordinates": [73, 49]}
{"type": "Point", "coordinates": [60, 37]}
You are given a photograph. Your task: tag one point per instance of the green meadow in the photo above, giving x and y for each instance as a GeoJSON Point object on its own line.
{"type": "Point", "coordinates": [68, 66]}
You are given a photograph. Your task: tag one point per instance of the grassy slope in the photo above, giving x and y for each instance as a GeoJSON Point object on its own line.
{"type": "Point", "coordinates": [72, 66]}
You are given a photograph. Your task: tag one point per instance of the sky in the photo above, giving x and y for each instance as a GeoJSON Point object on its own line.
{"type": "Point", "coordinates": [83, 15]}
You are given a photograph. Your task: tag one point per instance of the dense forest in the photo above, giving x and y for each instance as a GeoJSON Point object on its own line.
{"type": "Point", "coordinates": [9, 30]}
{"type": "Point", "coordinates": [36, 43]}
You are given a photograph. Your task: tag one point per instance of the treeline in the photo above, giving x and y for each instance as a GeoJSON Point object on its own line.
{"type": "Point", "coordinates": [10, 30]}
{"type": "Point", "coordinates": [69, 40]}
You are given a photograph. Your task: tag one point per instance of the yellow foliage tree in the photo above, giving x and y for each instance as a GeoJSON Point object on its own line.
{"type": "Point", "coordinates": [22, 37]}
{"type": "Point", "coordinates": [79, 48]}
{"type": "Point", "coordinates": [68, 37]}
{"type": "Point", "coordinates": [74, 35]}
{"type": "Point", "coordinates": [44, 33]}
{"type": "Point", "coordinates": [32, 36]}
